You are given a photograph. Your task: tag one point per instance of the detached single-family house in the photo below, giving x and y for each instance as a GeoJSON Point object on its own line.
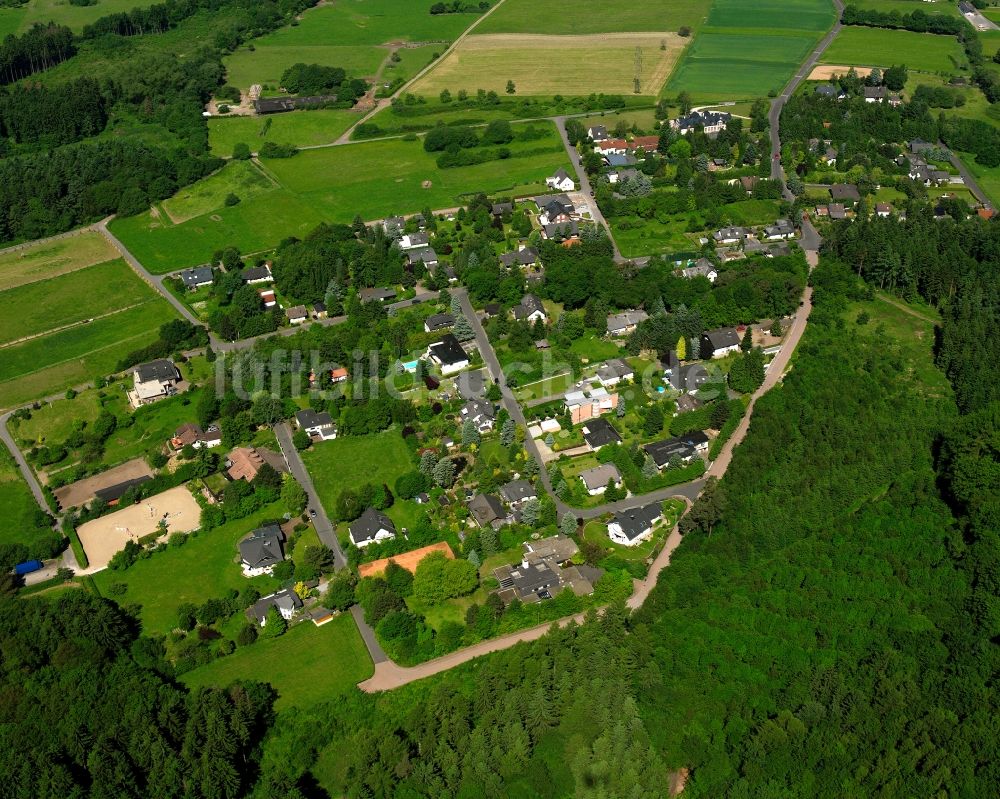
{"type": "Point", "coordinates": [730, 235]}
{"type": "Point", "coordinates": [596, 480]}
{"type": "Point", "coordinates": [317, 424]}
{"type": "Point", "coordinates": [153, 381]}
{"type": "Point", "coordinates": [262, 550]}
{"type": "Point", "coordinates": [712, 121]}
{"type": "Point", "coordinates": [413, 240]}
{"type": "Point", "coordinates": [393, 224]}
{"type": "Point", "coordinates": [599, 432]}
{"type": "Point", "coordinates": [883, 209]}
{"type": "Point", "coordinates": [526, 256]}
{"type": "Point", "coordinates": [482, 413]}
{"type": "Point", "coordinates": [545, 570]}
{"type": "Point", "coordinates": [781, 229]}
{"type": "Point", "coordinates": [285, 600]}
{"type": "Point", "coordinates": [845, 192]}
{"type": "Point", "coordinates": [690, 377]}
{"type": "Point", "coordinates": [530, 309]}
{"type": "Point", "coordinates": [836, 211]}
{"type": "Point", "coordinates": [192, 435]}
{"type": "Point", "coordinates": [319, 310]}
{"type": "Point", "coordinates": [448, 355]}
{"type": "Point", "coordinates": [488, 511]}
{"type": "Point", "coordinates": [719, 342]}
{"type": "Point", "coordinates": [612, 372]}
{"type": "Point", "coordinates": [647, 144]}
{"type": "Point", "coordinates": [561, 231]}
{"type": "Point", "coordinates": [517, 492]}
{"type": "Point", "coordinates": [619, 160]}
{"type": "Point", "coordinates": [422, 255]}
{"type": "Point", "coordinates": [831, 91]}
{"type": "Point", "coordinates": [371, 527]}
{"type": "Point", "coordinates": [197, 277]}
{"type": "Point", "coordinates": [555, 212]}
{"type": "Point", "coordinates": [670, 450]}
{"type": "Point", "coordinates": [608, 146]}
{"type": "Point", "coordinates": [257, 274]}
{"type": "Point", "coordinates": [244, 463]}
{"type": "Point", "coordinates": [597, 133]}
{"type": "Point", "coordinates": [617, 176]}
{"type": "Point", "coordinates": [438, 321]}
{"type": "Point", "coordinates": [700, 268]}
{"type": "Point", "coordinates": [621, 324]}
{"type": "Point", "coordinates": [267, 296]}
{"type": "Point", "coordinates": [635, 525]}
{"type": "Point", "coordinates": [502, 209]}
{"type": "Point", "coordinates": [560, 181]}
{"type": "Point", "coordinates": [297, 314]}
{"type": "Point", "coordinates": [376, 294]}
{"type": "Point", "coordinates": [875, 94]}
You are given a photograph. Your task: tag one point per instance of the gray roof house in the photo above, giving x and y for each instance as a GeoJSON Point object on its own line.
{"type": "Point", "coordinates": [482, 413]}
{"type": "Point", "coordinates": [662, 452]}
{"type": "Point", "coordinates": [262, 550]}
{"type": "Point", "coordinates": [438, 321]}
{"type": "Point", "coordinates": [597, 133]}
{"type": "Point", "coordinates": [517, 491]}
{"type": "Point", "coordinates": [530, 309]}
{"type": "Point", "coordinates": [621, 324]}
{"type": "Point", "coordinates": [612, 372]}
{"type": "Point", "coordinates": [730, 235]}
{"type": "Point", "coordinates": [701, 268]}
{"type": "Point", "coordinates": [411, 241]}
{"type": "Point", "coordinates": [487, 510]}
{"type": "Point", "coordinates": [316, 423]}
{"type": "Point", "coordinates": [599, 432]}
{"type": "Point", "coordinates": [379, 293]}
{"type": "Point", "coordinates": [153, 381]}
{"type": "Point", "coordinates": [257, 274]}
{"type": "Point", "coordinates": [371, 526]}
{"type": "Point", "coordinates": [422, 255]}
{"type": "Point", "coordinates": [561, 230]}
{"type": "Point", "coordinates": [197, 277]}
{"type": "Point", "coordinates": [596, 480]}
{"type": "Point", "coordinates": [781, 229]}
{"type": "Point", "coordinates": [635, 525]}
{"type": "Point", "coordinates": [286, 601]}
{"type": "Point", "coordinates": [845, 192]}
{"type": "Point", "coordinates": [526, 256]}
{"type": "Point", "coordinates": [719, 342]}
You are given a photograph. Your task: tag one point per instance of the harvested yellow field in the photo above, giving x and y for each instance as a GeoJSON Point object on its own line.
{"type": "Point", "coordinates": [828, 72]}
{"type": "Point", "coordinates": [538, 64]}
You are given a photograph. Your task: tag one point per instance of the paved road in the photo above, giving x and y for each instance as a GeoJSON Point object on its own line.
{"type": "Point", "coordinates": [970, 180]}
{"type": "Point", "coordinates": [774, 116]}
{"type": "Point", "coordinates": [980, 22]}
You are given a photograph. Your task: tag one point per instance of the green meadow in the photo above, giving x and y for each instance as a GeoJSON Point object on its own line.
{"type": "Point", "coordinates": [18, 20]}
{"type": "Point", "coordinates": [876, 47]}
{"type": "Point", "coordinates": [301, 128]}
{"type": "Point", "coordinates": [242, 178]}
{"type": "Point", "coordinates": [613, 16]}
{"type": "Point", "coordinates": [801, 15]}
{"type": "Point", "coordinates": [17, 505]}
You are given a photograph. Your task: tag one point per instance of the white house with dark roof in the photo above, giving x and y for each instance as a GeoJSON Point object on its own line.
{"type": "Point", "coordinates": [781, 229]}
{"type": "Point", "coordinates": [712, 121]}
{"type": "Point", "coordinates": [422, 255]}
{"type": "Point", "coordinates": [438, 321]}
{"type": "Point", "coordinates": [316, 423]}
{"type": "Point", "coordinates": [730, 235]}
{"type": "Point", "coordinates": [599, 433]}
{"type": "Point", "coordinates": [635, 525]}
{"type": "Point", "coordinates": [377, 294]}
{"type": "Point", "coordinates": [525, 256]}
{"type": "Point", "coordinates": [257, 274]}
{"type": "Point", "coordinates": [720, 342]}
{"type": "Point", "coordinates": [560, 181]}
{"type": "Point", "coordinates": [597, 133]}
{"type": "Point", "coordinates": [530, 309]}
{"type": "Point", "coordinates": [517, 492]}
{"type": "Point", "coordinates": [371, 527]}
{"type": "Point", "coordinates": [448, 355]}
{"type": "Point", "coordinates": [411, 241]}
{"type": "Point", "coordinates": [481, 412]}
{"type": "Point", "coordinates": [286, 601]}
{"type": "Point", "coordinates": [621, 324]}
{"type": "Point", "coordinates": [153, 381]}
{"type": "Point", "coordinates": [700, 268]}
{"type": "Point", "coordinates": [262, 550]}
{"type": "Point", "coordinates": [596, 480]}
{"type": "Point", "coordinates": [611, 373]}
{"type": "Point", "coordinates": [197, 277]}
{"type": "Point", "coordinates": [297, 314]}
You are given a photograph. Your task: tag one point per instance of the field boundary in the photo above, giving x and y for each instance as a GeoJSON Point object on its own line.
{"type": "Point", "coordinates": [71, 325]}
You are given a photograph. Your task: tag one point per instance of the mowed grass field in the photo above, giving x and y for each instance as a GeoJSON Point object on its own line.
{"type": "Point", "coordinates": [748, 48]}
{"type": "Point", "coordinates": [306, 665]}
{"type": "Point", "coordinates": [50, 290]}
{"type": "Point", "coordinates": [301, 128]}
{"type": "Point", "coordinates": [242, 178]}
{"type": "Point", "coordinates": [612, 16]}
{"type": "Point", "coordinates": [348, 33]}
{"type": "Point", "coordinates": [877, 47]}
{"type": "Point", "coordinates": [334, 184]}
{"type": "Point", "coordinates": [17, 20]}
{"type": "Point", "coordinates": [540, 64]}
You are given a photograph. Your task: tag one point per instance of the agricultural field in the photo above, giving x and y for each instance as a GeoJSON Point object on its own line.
{"type": "Point", "coordinates": [301, 128]}
{"type": "Point", "coordinates": [923, 52]}
{"type": "Point", "coordinates": [333, 184]}
{"type": "Point", "coordinates": [349, 34]}
{"type": "Point", "coordinates": [18, 20]}
{"type": "Point", "coordinates": [565, 17]}
{"type": "Point", "coordinates": [74, 331]}
{"type": "Point", "coordinates": [242, 178]}
{"type": "Point", "coordinates": [747, 49]}
{"type": "Point", "coordinates": [542, 64]}
{"type": "Point", "coordinates": [308, 664]}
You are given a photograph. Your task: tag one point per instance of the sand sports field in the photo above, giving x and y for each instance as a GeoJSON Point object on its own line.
{"type": "Point", "coordinates": [102, 538]}
{"type": "Point", "coordinates": [828, 72]}
{"type": "Point", "coordinates": [546, 65]}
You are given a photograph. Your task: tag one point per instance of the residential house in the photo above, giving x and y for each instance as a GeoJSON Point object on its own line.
{"type": "Point", "coordinates": [617, 176]}
{"type": "Point", "coordinates": [297, 314]}
{"type": "Point", "coordinates": [482, 413]}
{"type": "Point", "coordinates": [883, 209]}
{"type": "Point", "coordinates": [502, 209]}
{"type": "Point", "coordinates": [517, 492]}
{"type": "Point", "coordinates": [243, 463]}
{"type": "Point", "coordinates": [316, 424]}
{"type": "Point", "coordinates": [563, 231]}
{"type": "Point", "coordinates": [647, 144]}
{"type": "Point", "coordinates": [545, 570]}
{"type": "Point", "coordinates": [448, 355]}
{"type": "Point", "coordinates": [525, 256]}
{"type": "Point", "coordinates": [268, 297]}
{"type": "Point", "coordinates": [412, 241]}
{"type": "Point", "coordinates": [845, 192]}
{"type": "Point", "coordinates": [438, 321]}
{"type": "Point", "coordinates": [192, 435]}
{"type": "Point", "coordinates": [488, 511]}
{"type": "Point", "coordinates": [671, 450]}
{"type": "Point", "coordinates": [339, 375]}
{"type": "Point", "coordinates": [319, 310]}
{"type": "Point", "coordinates": [686, 403]}
{"type": "Point", "coordinates": [257, 274]}
{"type": "Point", "coordinates": [153, 381]}
{"type": "Point", "coordinates": [197, 277]}
{"type": "Point", "coordinates": [831, 91]}
{"type": "Point", "coordinates": [712, 121]}
{"type": "Point", "coordinates": [555, 212]}
{"type": "Point", "coordinates": [730, 235]}
{"type": "Point", "coordinates": [596, 480]}
{"type": "Point", "coordinates": [262, 551]}
{"type": "Point", "coordinates": [631, 527]}
{"type": "Point", "coordinates": [619, 160]}
{"type": "Point", "coordinates": [700, 268]}
{"type": "Point", "coordinates": [749, 183]}
{"type": "Point", "coordinates": [393, 224]}
{"type": "Point", "coordinates": [423, 255]}
{"type": "Point", "coordinates": [920, 146]}
{"type": "Point", "coordinates": [719, 342]}
{"type": "Point", "coordinates": [608, 146]}
{"type": "Point", "coordinates": [589, 404]}
{"type": "Point", "coordinates": [836, 211]}
{"type": "Point", "coordinates": [600, 432]}
{"type": "Point", "coordinates": [371, 527]}
{"type": "Point", "coordinates": [781, 229]}
{"type": "Point", "coordinates": [621, 324]}
{"type": "Point", "coordinates": [690, 377]}
{"type": "Point", "coordinates": [597, 133]}
{"type": "Point", "coordinates": [560, 181]}
{"type": "Point", "coordinates": [778, 250]}
{"type": "Point", "coordinates": [875, 94]}
{"type": "Point", "coordinates": [285, 600]}
{"type": "Point", "coordinates": [529, 310]}
{"type": "Point", "coordinates": [612, 372]}
{"type": "Point", "coordinates": [377, 294]}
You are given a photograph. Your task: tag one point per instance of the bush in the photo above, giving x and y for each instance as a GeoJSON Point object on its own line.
{"type": "Point", "coordinates": [247, 635]}
{"type": "Point", "coordinates": [231, 200]}
{"type": "Point", "coordinates": [241, 151]}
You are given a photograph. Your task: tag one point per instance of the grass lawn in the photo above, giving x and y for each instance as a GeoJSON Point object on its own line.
{"type": "Point", "coordinates": [301, 128]}
{"type": "Point", "coordinates": [613, 16]}
{"type": "Point", "coordinates": [643, 119]}
{"type": "Point", "coordinates": [556, 384]}
{"type": "Point", "coordinates": [450, 610]}
{"type": "Point", "coordinates": [70, 298]}
{"type": "Point", "coordinates": [636, 236]}
{"type": "Point", "coordinates": [803, 15]}
{"type": "Point", "coordinates": [242, 178]}
{"type": "Point", "coordinates": [307, 664]}
{"type": "Point", "coordinates": [411, 61]}
{"type": "Point", "coordinates": [14, 20]}
{"type": "Point", "coordinates": [541, 64]}
{"type": "Point", "coordinates": [925, 52]}
{"type": "Point", "coordinates": [56, 420]}
{"type": "Point", "coordinates": [352, 461]}
{"type": "Point", "coordinates": [54, 362]}
{"type": "Point", "coordinates": [988, 177]}
{"type": "Point", "coordinates": [595, 348]}
{"type": "Point", "coordinates": [17, 505]}
{"type": "Point", "coordinates": [203, 567]}
{"type": "Point", "coordinates": [53, 258]}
